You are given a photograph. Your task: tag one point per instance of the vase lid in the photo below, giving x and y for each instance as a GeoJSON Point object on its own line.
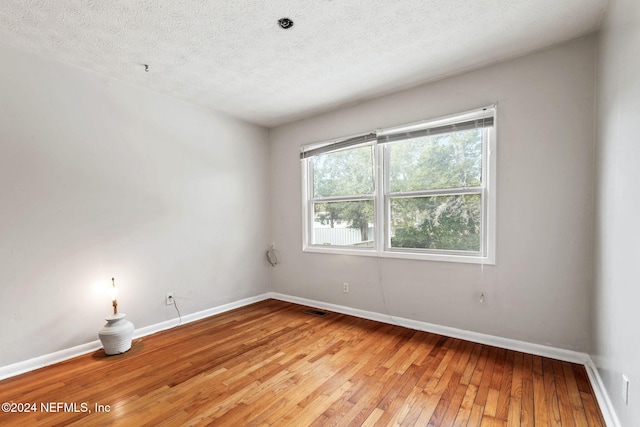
{"type": "Point", "coordinates": [113, 317]}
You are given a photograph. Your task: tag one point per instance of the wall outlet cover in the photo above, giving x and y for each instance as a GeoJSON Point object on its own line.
{"type": "Point", "coordinates": [625, 389]}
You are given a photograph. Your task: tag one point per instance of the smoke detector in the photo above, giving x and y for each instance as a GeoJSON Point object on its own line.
{"type": "Point", "coordinates": [285, 23]}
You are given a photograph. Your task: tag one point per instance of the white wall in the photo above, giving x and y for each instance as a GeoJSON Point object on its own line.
{"type": "Point", "coordinates": [99, 179]}
{"type": "Point", "coordinates": [616, 347]}
{"type": "Point", "coordinates": [539, 290]}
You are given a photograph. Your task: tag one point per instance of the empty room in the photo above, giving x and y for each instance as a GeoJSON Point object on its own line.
{"type": "Point", "coordinates": [343, 213]}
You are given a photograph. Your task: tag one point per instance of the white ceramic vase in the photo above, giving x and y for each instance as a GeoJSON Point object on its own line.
{"type": "Point", "coordinates": [116, 334]}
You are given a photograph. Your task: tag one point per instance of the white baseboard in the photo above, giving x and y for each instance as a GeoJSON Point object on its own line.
{"type": "Point", "coordinates": [507, 343]}
{"type": "Point", "coordinates": [48, 359]}
{"type": "Point", "coordinates": [188, 318]}
{"type": "Point", "coordinates": [69, 353]}
{"type": "Point", "coordinates": [608, 412]}
{"type": "Point", "coordinates": [541, 350]}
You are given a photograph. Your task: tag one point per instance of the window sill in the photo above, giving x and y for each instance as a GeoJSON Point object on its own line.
{"type": "Point", "coordinates": [465, 259]}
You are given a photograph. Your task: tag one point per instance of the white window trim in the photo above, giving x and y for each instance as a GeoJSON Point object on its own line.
{"type": "Point", "coordinates": [381, 203]}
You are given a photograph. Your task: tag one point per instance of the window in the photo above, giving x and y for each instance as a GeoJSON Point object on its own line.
{"type": "Point", "coordinates": [422, 191]}
{"type": "Point", "coordinates": [343, 197]}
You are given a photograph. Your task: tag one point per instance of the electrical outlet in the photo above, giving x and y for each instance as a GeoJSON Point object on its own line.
{"type": "Point", "coordinates": [169, 298]}
{"type": "Point", "coordinates": [345, 287]}
{"type": "Point", "coordinates": [625, 389]}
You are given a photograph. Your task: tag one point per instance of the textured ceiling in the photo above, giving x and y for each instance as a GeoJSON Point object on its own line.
{"type": "Point", "coordinates": [231, 55]}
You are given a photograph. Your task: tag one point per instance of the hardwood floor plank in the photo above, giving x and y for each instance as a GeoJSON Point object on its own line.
{"type": "Point", "coordinates": [551, 394]}
{"type": "Point", "coordinates": [305, 417]}
{"type": "Point", "coordinates": [594, 416]}
{"type": "Point", "coordinates": [476, 377]}
{"type": "Point", "coordinates": [577, 406]}
{"type": "Point", "coordinates": [475, 418]}
{"type": "Point", "coordinates": [502, 409]}
{"type": "Point", "coordinates": [373, 418]}
{"type": "Point", "coordinates": [462, 418]}
{"type": "Point", "coordinates": [582, 380]}
{"type": "Point", "coordinates": [488, 421]}
{"type": "Point", "coordinates": [450, 384]}
{"type": "Point", "coordinates": [487, 375]}
{"type": "Point", "coordinates": [453, 409]}
{"type": "Point", "coordinates": [269, 363]}
{"type": "Point", "coordinates": [564, 403]}
{"type": "Point", "coordinates": [472, 364]}
{"type": "Point", "coordinates": [403, 414]}
{"type": "Point", "coordinates": [498, 369]}
{"type": "Point", "coordinates": [527, 416]}
{"type": "Point", "coordinates": [366, 400]}
{"type": "Point", "coordinates": [527, 367]}
{"type": "Point", "coordinates": [491, 404]}
{"type": "Point", "coordinates": [515, 401]}
{"type": "Point", "coordinates": [394, 407]}
{"type": "Point", "coordinates": [540, 406]}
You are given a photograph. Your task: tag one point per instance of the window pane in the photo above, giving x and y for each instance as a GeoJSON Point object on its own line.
{"type": "Point", "coordinates": [437, 222]}
{"type": "Point", "coordinates": [343, 173]}
{"type": "Point", "coordinates": [343, 223]}
{"type": "Point", "coordinates": [451, 160]}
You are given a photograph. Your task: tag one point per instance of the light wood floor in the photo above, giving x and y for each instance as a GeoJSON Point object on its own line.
{"type": "Point", "coordinates": [271, 364]}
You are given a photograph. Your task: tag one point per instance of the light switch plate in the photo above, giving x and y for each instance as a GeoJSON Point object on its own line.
{"type": "Point", "coordinates": [625, 389]}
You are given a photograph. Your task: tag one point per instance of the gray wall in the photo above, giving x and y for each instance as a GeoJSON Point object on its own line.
{"type": "Point", "coordinates": [539, 289]}
{"type": "Point", "coordinates": [616, 347]}
{"type": "Point", "coordinates": [99, 179]}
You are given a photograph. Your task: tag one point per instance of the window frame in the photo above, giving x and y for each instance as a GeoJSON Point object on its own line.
{"type": "Point", "coordinates": [382, 198]}
{"type": "Point", "coordinates": [309, 201]}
